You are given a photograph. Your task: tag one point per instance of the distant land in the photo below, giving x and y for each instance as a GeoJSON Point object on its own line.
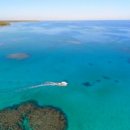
{"type": "Point", "coordinates": [7, 22]}
{"type": "Point", "coordinates": [4, 23]}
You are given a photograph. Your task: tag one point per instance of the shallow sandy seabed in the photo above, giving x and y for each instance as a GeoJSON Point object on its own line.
{"type": "Point", "coordinates": [18, 56]}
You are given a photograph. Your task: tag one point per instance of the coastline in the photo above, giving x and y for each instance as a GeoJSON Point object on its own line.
{"type": "Point", "coordinates": [4, 23]}
{"type": "Point", "coordinates": [8, 22]}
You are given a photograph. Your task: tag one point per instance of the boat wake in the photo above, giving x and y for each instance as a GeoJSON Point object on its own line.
{"type": "Point", "coordinates": [59, 84]}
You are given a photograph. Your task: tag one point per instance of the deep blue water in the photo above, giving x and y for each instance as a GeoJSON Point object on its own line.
{"type": "Point", "coordinates": [92, 52]}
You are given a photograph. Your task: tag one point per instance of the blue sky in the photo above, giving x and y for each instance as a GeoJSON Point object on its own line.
{"type": "Point", "coordinates": [64, 9]}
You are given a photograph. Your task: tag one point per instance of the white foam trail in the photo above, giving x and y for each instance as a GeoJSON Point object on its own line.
{"type": "Point", "coordinates": [60, 84]}
{"type": "Point", "coordinates": [37, 86]}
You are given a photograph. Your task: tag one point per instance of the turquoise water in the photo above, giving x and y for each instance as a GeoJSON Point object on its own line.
{"type": "Point", "coordinates": [97, 52]}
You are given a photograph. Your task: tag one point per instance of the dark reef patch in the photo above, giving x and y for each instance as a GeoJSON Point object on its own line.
{"type": "Point", "coordinates": [116, 81]}
{"type": "Point", "coordinates": [109, 62]}
{"type": "Point", "coordinates": [106, 77]}
{"type": "Point", "coordinates": [90, 64]}
{"type": "Point", "coordinates": [87, 84]}
{"type": "Point", "coordinates": [98, 80]}
{"type": "Point", "coordinates": [128, 61]}
{"type": "Point", "coordinates": [38, 117]}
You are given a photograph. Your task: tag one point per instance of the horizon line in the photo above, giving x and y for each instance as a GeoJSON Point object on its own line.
{"type": "Point", "coordinates": [38, 20]}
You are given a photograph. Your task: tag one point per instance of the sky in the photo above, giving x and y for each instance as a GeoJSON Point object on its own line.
{"type": "Point", "coordinates": [64, 9]}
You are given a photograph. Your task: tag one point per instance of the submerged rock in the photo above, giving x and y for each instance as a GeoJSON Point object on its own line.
{"type": "Point", "coordinates": [106, 77]}
{"type": "Point", "coordinates": [98, 80]}
{"type": "Point", "coordinates": [87, 84]}
{"type": "Point", "coordinates": [18, 56]}
{"type": "Point", "coordinates": [39, 118]}
{"type": "Point", "coordinates": [90, 64]}
{"type": "Point", "coordinates": [128, 61]}
{"type": "Point", "coordinates": [116, 81]}
{"type": "Point", "coordinates": [109, 62]}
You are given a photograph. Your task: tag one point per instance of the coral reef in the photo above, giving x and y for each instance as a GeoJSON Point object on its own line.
{"type": "Point", "coordinates": [10, 120]}
{"type": "Point", "coordinates": [50, 119]}
{"type": "Point", "coordinates": [39, 118]}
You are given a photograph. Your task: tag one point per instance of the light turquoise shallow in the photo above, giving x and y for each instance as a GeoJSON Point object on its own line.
{"type": "Point", "coordinates": [76, 52]}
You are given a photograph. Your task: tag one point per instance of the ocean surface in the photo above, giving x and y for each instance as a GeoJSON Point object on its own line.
{"type": "Point", "coordinates": [92, 56]}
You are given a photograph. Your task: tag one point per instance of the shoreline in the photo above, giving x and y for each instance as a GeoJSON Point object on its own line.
{"type": "Point", "coordinates": [4, 23]}
{"type": "Point", "coordinates": [8, 22]}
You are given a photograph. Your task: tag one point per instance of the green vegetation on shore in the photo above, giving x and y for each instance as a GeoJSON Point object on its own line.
{"type": "Point", "coordinates": [4, 23]}
{"type": "Point", "coordinates": [8, 22]}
